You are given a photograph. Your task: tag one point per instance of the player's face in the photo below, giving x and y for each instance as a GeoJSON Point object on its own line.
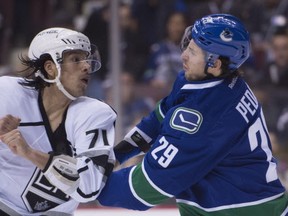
{"type": "Point", "coordinates": [75, 72]}
{"type": "Point", "coordinates": [280, 48]}
{"type": "Point", "coordinates": [193, 62]}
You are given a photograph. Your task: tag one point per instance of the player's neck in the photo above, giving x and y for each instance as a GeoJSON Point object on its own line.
{"type": "Point", "coordinates": [54, 100]}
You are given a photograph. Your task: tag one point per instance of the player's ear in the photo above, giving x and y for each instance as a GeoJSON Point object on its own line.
{"type": "Point", "coordinates": [50, 68]}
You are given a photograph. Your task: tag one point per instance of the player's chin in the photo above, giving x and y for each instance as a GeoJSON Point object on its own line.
{"type": "Point", "coordinates": [82, 87]}
{"type": "Point", "coordinates": [188, 76]}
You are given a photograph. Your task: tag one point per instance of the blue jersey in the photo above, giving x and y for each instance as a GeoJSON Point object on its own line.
{"type": "Point", "coordinates": [211, 151]}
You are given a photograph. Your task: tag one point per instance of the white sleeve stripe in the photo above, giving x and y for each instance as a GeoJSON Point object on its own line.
{"type": "Point", "coordinates": [160, 111]}
{"type": "Point", "coordinates": [285, 212]}
{"type": "Point", "coordinates": [219, 208]}
{"type": "Point", "coordinates": [142, 133]}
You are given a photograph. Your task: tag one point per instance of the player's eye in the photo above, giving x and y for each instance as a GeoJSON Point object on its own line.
{"type": "Point", "coordinates": [76, 59]}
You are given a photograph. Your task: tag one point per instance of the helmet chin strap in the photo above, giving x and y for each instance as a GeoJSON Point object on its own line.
{"type": "Point", "coordinates": [58, 83]}
{"type": "Point", "coordinates": [63, 90]}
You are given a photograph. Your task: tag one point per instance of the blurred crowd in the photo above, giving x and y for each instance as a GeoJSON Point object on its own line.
{"type": "Point", "coordinates": [150, 56]}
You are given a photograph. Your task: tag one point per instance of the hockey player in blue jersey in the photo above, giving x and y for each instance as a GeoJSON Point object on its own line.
{"type": "Point", "coordinates": [208, 140]}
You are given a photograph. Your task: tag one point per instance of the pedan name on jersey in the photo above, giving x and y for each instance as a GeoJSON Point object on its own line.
{"type": "Point", "coordinates": [247, 105]}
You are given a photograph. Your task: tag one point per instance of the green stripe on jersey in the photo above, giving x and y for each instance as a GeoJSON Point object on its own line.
{"type": "Point", "coordinates": [271, 208]}
{"type": "Point", "coordinates": [144, 189]}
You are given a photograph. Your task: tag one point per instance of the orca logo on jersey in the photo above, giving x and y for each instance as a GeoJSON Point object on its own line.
{"type": "Point", "coordinates": [187, 120]}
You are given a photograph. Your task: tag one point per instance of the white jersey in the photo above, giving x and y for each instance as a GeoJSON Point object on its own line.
{"type": "Point", "coordinates": [86, 133]}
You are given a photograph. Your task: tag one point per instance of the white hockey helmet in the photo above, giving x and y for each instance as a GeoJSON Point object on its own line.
{"type": "Point", "coordinates": [56, 41]}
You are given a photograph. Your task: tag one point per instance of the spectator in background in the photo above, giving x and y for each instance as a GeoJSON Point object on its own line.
{"type": "Point", "coordinates": [280, 152]}
{"type": "Point", "coordinates": [247, 12]}
{"type": "Point", "coordinates": [165, 57]}
{"type": "Point", "coordinates": [150, 17]}
{"type": "Point", "coordinates": [282, 127]}
{"type": "Point", "coordinates": [97, 30]}
{"type": "Point", "coordinates": [134, 55]}
{"type": "Point", "coordinates": [132, 49]}
{"type": "Point", "coordinates": [273, 82]}
{"type": "Point", "coordinates": [276, 70]}
{"type": "Point", "coordinates": [275, 14]}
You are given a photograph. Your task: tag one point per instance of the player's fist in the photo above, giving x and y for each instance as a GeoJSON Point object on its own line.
{"type": "Point", "coordinates": [8, 123]}
{"type": "Point", "coordinates": [16, 143]}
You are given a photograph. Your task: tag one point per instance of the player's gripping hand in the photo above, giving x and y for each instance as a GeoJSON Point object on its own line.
{"type": "Point", "coordinates": [16, 143]}
{"type": "Point", "coordinates": [133, 143]}
{"type": "Point", "coordinates": [8, 123]}
{"type": "Point", "coordinates": [124, 150]}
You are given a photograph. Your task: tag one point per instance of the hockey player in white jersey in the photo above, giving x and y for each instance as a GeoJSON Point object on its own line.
{"type": "Point", "coordinates": [56, 146]}
{"type": "Point", "coordinates": [208, 140]}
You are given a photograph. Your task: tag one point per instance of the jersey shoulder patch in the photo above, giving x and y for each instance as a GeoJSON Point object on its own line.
{"type": "Point", "coordinates": [186, 120]}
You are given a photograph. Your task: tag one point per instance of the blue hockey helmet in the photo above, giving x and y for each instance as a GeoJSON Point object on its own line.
{"type": "Point", "coordinates": [220, 35]}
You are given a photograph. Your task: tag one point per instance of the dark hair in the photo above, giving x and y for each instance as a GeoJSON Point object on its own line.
{"type": "Point", "coordinates": [226, 71]}
{"type": "Point", "coordinates": [32, 66]}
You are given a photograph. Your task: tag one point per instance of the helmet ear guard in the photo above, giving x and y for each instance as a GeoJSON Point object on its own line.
{"type": "Point", "coordinates": [210, 59]}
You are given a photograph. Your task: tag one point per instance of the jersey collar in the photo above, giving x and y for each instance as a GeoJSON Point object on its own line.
{"type": "Point", "coordinates": [202, 84]}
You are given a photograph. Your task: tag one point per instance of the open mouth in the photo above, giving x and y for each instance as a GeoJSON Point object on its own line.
{"type": "Point", "coordinates": [85, 80]}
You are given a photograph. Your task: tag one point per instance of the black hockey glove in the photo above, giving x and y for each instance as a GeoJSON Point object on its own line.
{"type": "Point", "coordinates": [125, 150]}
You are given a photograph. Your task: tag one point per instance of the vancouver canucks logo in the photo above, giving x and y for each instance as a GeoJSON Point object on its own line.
{"type": "Point", "coordinates": [187, 120]}
{"type": "Point", "coordinates": [226, 35]}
